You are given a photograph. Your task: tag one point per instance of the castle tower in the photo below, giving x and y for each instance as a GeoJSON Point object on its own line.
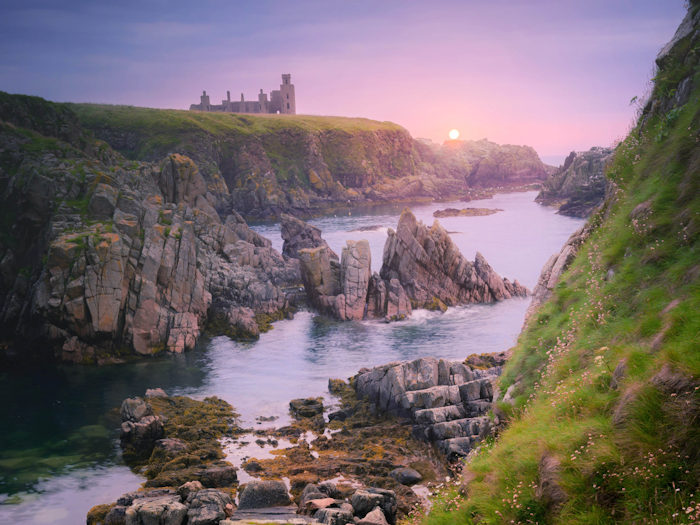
{"type": "Point", "coordinates": [262, 100]}
{"type": "Point", "coordinates": [204, 101]}
{"type": "Point", "coordinates": [288, 102]}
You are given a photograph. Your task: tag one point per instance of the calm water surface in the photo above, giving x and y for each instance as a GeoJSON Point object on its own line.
{"type": "Point", "coordinates": [58, 450]}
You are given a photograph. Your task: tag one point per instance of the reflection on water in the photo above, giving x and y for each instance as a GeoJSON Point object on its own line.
{"type": "Point", "coordinates": [57, 449]}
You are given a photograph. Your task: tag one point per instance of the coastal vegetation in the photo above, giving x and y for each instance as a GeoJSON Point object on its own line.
{"type": "Point", "coordinates": [604, 426]}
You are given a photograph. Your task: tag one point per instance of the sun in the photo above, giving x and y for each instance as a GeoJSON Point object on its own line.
{"type": "Point", "coordinates": [454, 134]}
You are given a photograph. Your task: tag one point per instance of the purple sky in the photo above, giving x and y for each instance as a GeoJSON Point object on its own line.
{"type": "Point", "coordinates": [556, 74]}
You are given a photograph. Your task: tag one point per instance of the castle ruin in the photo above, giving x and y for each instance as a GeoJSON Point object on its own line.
{"type": "Point", "coordinates": [281, 101]}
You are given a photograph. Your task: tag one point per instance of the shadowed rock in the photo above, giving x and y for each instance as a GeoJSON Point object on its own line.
{"type": "Point", "coordinates": [299, 235]}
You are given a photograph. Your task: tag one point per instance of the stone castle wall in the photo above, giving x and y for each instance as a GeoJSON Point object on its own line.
{"type": "Point", "coordinates": [281, 100]}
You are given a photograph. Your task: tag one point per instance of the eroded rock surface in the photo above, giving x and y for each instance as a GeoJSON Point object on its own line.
{"type": "Point", "coordinates": [422, 268]}
{"type": "Point", "coordinates": [103, 257]}
{"type": "Point", "coordinates": [299, 235]}
{"type": "Point", "coordinates": [432, 270]}
{"type": "Point", "coordinates": [446, 401]}
{"type": "Point", "coordinates": [579, 185]}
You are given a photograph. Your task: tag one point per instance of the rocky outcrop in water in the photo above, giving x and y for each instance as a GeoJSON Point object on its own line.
{"type": "Point", "coordinates": [299, 235]}
{"type": "Point", "coordinates": [422, 268]}
{"type": "Point", "coordinates": [433, 272]}
{"type": "Point", "coordinates": [465, 212]}
{"type": "Point", "coordinates": [579, 185]}
{"type": "Point", "coordinates": [446, 401]}
{"type": "Point", "coordinates": [101, 257]}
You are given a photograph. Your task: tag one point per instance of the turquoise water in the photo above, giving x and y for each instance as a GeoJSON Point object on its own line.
{"type": "Point", "coordinates": [58, 451]}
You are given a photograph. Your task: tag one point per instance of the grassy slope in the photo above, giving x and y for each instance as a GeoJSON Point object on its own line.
{"type": "Point", "coordinates": [176, 124]}
{"type": "Point", "coordinates": [629, 454]}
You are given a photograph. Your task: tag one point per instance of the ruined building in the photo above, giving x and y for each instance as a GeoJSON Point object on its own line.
{"type": "Point", "coordinates": [281, 101]}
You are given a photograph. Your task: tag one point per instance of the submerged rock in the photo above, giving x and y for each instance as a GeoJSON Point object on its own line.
{"type": "Point", "coordinates": [464, 212]}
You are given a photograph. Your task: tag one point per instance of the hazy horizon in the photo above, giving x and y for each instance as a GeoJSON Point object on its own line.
{"type": "Point", "coordinates": [557, 76]}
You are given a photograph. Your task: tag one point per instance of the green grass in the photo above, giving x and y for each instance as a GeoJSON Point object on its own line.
{"type": "Point", "coordinates": [629, 454]}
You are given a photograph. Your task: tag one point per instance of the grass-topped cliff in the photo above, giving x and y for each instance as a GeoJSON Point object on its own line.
{"type": "Point", "coordinates": [273, 163]}
{"type": "Point", "coordinates": [307, 164]}
{"type": "Point", "coordinates": [604, 425]}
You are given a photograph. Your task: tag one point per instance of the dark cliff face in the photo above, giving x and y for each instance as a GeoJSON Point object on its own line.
{"type": "Point", "coordinates": [579, 185]}
{"type": "Point", "coordinates": [102, 257]}
{"type": "Point", "coordinates": [304, 164]}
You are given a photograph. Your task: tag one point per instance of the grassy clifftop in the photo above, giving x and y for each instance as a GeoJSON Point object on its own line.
{"type": "Point", "coordinates": [159, 128]}
{"type": "Point", "coordinates": [605, 422]}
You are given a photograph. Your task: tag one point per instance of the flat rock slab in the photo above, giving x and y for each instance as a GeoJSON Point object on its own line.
{"type": "Point", "coordinates": [269, 515]}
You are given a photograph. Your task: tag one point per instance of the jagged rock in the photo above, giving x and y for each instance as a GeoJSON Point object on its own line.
{"type": "Point", "coordinates": [430, 268]}
{"type": "Point", "coordinates": [260, 494]}
{"type": "Point", "coordinates": [162, 510]}
{"type": "Point", "coordinates": [485, 164]}
{"type": "Point", "coordinates": [179, 180]}
{"type": "Point", "coordinates": [374, 517]}
{"type": "Point", "coordinates": [555, 267]}
{"type": "Point", "coordinates": [207, 507]}
{"type": "Point", "coordinates": [330, 516]}
{"type": "Point", "coordinates": [116, 516]}
{"type": "Point", "coordinates": [140, 429]}
{"type": "Point", "coordinates": [355, 274]}
{"type": "Point", "coordinates": [330, 489]}
{"type": "Point", "coordinates": [446, 401]}
{"type": "Point", "coordinates": [364, 501]}
{"type": "Point", "coordinates": [406, 475]}
{"type": "Point", "coordinates": [135, 409]}
{"type": "Point", "coordinates": [313, 505]}
{"type": "Point", "coordinates": [299, 235]}
{"type": "Point", "coordinates": [145, 273]}
{"type": "Point", "coordinates": [188, 488]}
{"type": "Point", "coordinates": [103, 202]}
{"type": "Point", "coordinates": [320, 273]}
{"type": "Point", "coordinates": [579, 185]}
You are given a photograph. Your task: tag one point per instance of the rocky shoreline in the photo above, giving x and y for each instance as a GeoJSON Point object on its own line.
{"type": "Point", "coordinates": [106, 258]}
{"type": "Point", "coordinates": [357, 464]}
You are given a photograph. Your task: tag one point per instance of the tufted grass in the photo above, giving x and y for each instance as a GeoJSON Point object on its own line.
{"type": "Point", "coordinates": [629, 454]}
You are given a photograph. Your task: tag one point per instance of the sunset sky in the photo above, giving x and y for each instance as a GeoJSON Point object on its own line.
{"type": "Point", "coordinates": [557, 75]}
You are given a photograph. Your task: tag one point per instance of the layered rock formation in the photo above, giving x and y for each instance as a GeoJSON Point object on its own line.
{"type": "Point", "coordinates": [446, 401]}
{"type": "Point", "coordinates": [422, 268]}
{"type": "Point", "coordinates": [579, 185]}
{"type": "Point", "coordinates": [102, 257]}
{"type": "Point", "coordinates": [432, 270]}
